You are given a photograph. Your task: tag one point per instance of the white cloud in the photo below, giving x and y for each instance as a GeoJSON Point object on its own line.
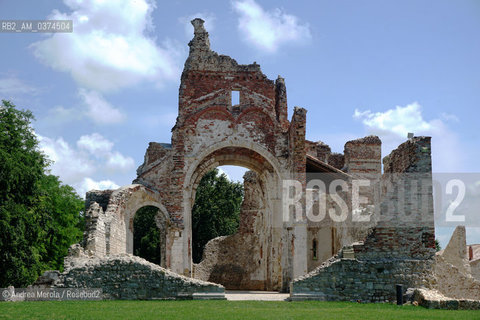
{"type": "Point", "coordinates": [109, 48]}
{"type": "Point", "coordinates": [69, 164]}
{"type": "Point", "coordinates": [100, 147]}
{"type": "Point", "coordinates": [95, 143]}
{"type": "Point", "coordinates": [93, 155]}
{"type": "Point", "coordinates": [399, 121]}
{"type": "Point", "coordinates": [99, 110]}
{"type": "Point", "coordinates": [12, 86]}
{"type": "Point", "coordinates": [118, 162]}
{"type": "Point", "coordinates": [208, 17]}
{"type": "Point", "coordinates": [268, 30]}
{"type": "Point", "coordinates": [393, 125]}
{"type": "Point", "coordinates": [89, 184]}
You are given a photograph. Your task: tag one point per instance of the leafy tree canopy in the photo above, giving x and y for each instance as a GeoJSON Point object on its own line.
{"type": "Point", "coordinates": [39, 217]}
{"type": "Point", "coordinates": [216, 211]}
{"type": "Point", "coordinates": [146, 235]}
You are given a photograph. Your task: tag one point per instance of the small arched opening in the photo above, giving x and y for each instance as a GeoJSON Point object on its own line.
{"type": "Point", "coordinates": [149, 235]}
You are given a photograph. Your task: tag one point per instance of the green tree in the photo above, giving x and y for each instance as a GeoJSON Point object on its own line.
{"type": "Point", "coordinates": [62, 222]}
{"type": "Point", "coordinates": [146, 235]}
{"type": "Point", "coordinates": [438, 247]}
{"type": "Point", "coordinates": [38, 216]}
{"type": "Point", "coordinates": [216, 211]}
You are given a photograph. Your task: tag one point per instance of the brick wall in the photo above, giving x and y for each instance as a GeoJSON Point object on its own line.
{"type": "Point", "coordinates": [397, 251]}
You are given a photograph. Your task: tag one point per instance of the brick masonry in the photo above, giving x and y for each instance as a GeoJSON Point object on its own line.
{"type": "Point", "coordinates": [272, 247]}
{"type": "Point", "coordinates": [397, 250]}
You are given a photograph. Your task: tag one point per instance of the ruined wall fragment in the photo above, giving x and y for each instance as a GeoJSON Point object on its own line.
{"type": "Point", "coordinates": [241, 261]}
{"type": "Point", "coordinates": [452, 275]}
{"type": "Point", "coordinates": [129, 277]}
{"type": "Point", "coordinates": [368, 271]}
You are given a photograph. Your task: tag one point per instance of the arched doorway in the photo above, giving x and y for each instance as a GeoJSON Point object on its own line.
{"type": "Point", "coordinates": [216, 210]}
{"type": "Point", "coordinates": [149, 235]}
{"type": "Point", "coordinates": [251, 258]}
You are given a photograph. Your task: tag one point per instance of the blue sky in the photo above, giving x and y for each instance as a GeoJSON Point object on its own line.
{"type": "Point", "coordinates": [101, 93]}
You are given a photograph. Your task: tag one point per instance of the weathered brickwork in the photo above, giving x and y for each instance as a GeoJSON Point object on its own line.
{"type": "Point", "coordinates": [211, 131]}
{"type": "Point", "coordinates": [337, 160]}
{"type": "Point", "coordinates": [328, 259]}
{"type": "Point", "coordinates": [397, 250]}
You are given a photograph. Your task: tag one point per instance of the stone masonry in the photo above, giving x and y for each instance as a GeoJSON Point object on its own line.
{"type": "Point", "coordinates": [398, 250]}
{"type": "Point", "coordinates": [277, 247]}
{"type": "Point", "coordinates": [127, 277]}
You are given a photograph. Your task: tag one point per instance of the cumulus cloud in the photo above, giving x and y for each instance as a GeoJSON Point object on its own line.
{"type": "Point", "coordinates": [398, 121]}
{"type": "Point", "coordinates": [208, 17]}
{"type": "Point", "coordinates": [268, 30]}
{"type": "Point", "coordinates": [99, 147]}
{"type": "Point", "coordinates": [93, 154]}
{"type": "Point", "coordinates": [118, 162]}
{"type": "Point", "coordinates": [100, 110]}
{"type": "Point", "coordinates": [393, 126]}
{"type": "Point", "coordinates": [88, 184]}
{"type": "Point", "coordinates": [109, 48]}
{"type": "Point", "coordinates": [95, 144]}
{"type": "Point", "coordinates": [70, 164]}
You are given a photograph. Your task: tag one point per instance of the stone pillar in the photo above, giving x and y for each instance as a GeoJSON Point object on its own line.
{"type": "Point", "coordinates": [300, 249]}
{"type": "Point", "coordinates": [281, 102]}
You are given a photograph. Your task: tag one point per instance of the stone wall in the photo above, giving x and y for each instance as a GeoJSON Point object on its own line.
{"type": "Point", "coordinates": [319, 150]}
{"type": "Point", "coordinates": [239, 261]}
{"type": "Point", "coordinates": [272, 247]}
{"type": "Point", "coordinates": [109, 228]}
{"type": "Point", "coordinates": [362, 156]}
{"type": "Point", "coordinates": [327, 237]}
{"type": "Point", "coordinates": [336, 160]}
{"type": "Point", "coordinates": [453, 275]}
{"type": "Point", "coordinates": [475, 267]}
{"type": "Point", "coordinates": [405, 227]}
{"type": "Point", "coordinates": [474, 260]}
{"type": "Point", "coordinates": [131, 277]}
{"type": "Point", "coordinates": [397, 250]}
{"type": "Point", "coordinates": [343, 279]}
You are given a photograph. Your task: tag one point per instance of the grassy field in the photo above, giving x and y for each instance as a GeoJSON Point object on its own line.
{"type": "Point", "coordinates": [220, 310]}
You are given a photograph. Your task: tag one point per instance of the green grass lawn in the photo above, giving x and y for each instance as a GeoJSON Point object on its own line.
{"type": "Point", "coordinates": [221, 310]}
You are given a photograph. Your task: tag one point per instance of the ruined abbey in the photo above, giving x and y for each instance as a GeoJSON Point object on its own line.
{"type": "Point", "coordinates": [355, 241]}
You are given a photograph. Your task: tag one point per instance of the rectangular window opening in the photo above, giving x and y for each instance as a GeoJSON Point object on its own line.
{"type": "Point", "coordinates": [235, 98]}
